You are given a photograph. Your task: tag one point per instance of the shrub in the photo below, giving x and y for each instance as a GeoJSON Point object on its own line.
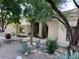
{"type": "Point", "coordinates": [13, 34]}
{"type": "Point", "coordinates": [51, 46]}
{"type": "Point", "coordinates": [25, 48]}
{"type": "Point", "coordinates": [8, 36]}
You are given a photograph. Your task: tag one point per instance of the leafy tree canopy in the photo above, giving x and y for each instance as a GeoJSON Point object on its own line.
{"type": "Point", "coordinates": [12, 10]}
{"type": "Point", "coordinates": [38, 10]}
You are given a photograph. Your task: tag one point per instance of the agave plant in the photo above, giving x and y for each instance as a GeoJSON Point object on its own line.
{"type": "Point", "coordinates": [67, 56]}
{"type": "Point", "coordinates": [37, 43]}
{"type": "Point", "coordinates": [25, 48]}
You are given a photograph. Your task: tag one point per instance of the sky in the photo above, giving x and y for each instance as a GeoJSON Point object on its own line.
{"type": "Point", "coordinates": [68, 6]}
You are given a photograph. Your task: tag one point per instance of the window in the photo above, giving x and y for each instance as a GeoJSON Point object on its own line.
{"type": "Point", "coordinates": [22, 30]}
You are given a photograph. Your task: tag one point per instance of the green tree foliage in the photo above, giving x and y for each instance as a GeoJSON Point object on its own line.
{"type": "Point", "coordinates": [10, 11]}
{"type": "Point", "coordinates": [37, 10]}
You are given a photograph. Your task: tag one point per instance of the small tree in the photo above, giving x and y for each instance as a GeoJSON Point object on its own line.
{"type": "Point", "coordinates": [73, 37]}
{"type": "Point", "coordinates": [36, 11]}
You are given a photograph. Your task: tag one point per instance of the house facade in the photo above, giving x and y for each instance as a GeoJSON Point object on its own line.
{"type": "Point", "coordinates": [52, 29]}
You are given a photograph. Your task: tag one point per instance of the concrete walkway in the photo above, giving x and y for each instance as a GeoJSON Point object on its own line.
{"type": "Point", "coordinates": [10, 51]}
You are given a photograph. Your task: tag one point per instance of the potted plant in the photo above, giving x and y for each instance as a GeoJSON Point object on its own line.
{"type": "Point", "coordinates": [8, 36]}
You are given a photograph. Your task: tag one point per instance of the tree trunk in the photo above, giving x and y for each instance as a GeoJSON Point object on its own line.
{"type": "Point", "coordinates": [72, 34]}
{"type": "Point", "coordinates": [17, 29]}
{"type": "Point", "coordinates": [2, 24]}
{"type": "Point", "coordinates": [74, 39]}
{"type": "Point", "coordinates": [77, 5]}
{"type": "Point", "coordinates": [32, 32]}
{"type": "Point", "coordinates": [2, 19]}
{"type": "Point", "coordinates": [59, 13]}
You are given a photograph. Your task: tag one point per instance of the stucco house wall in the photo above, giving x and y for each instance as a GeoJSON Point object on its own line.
{"type": "Point", "coordinates": [10, 28]}
{"type": "Point", "coordinates": [52, 29]}
{"type": "Point", "coordinates": [15, 28]}
{"type": "Point", "coordinates": [55, 29]}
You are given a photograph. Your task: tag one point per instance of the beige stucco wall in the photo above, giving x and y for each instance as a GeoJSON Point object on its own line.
{"type": "Point", "coordinates": [57, 31]}
{"type": "Point", "coordinates": [10, 28]}
{"type": "Point", "coordinates": [52, 29]}
{"type": "Point", "coordinates": [62, 33]}
{"type": "Point", "coordinates": [15, 28]}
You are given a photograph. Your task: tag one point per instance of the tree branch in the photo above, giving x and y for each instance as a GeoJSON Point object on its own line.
{"type": "Point", "coordinates": [6, 25]}
{"type": "Point", "coordinates": [58, 12]}
{"type": "Point", "coordinates": [76, 4]}
{"type": "Point", "coordinates": [59, 20]}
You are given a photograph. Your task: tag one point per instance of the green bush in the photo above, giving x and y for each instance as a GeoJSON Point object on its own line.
{"type": "Point", "coordinates": [51, 46]}
{"type": "Point", "coordinates": [13, 34]}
